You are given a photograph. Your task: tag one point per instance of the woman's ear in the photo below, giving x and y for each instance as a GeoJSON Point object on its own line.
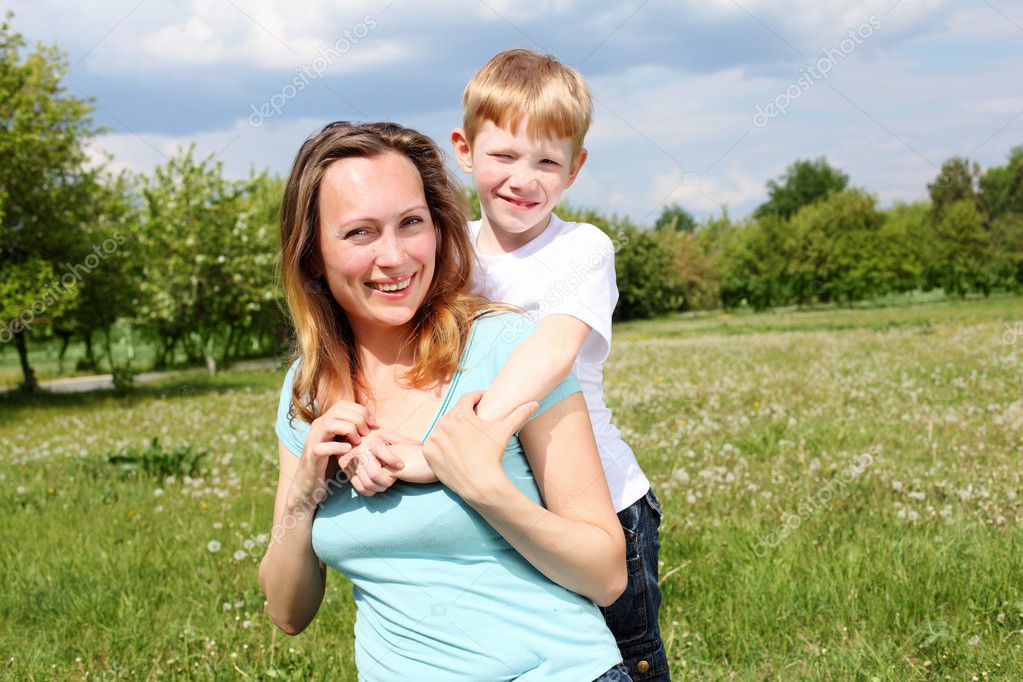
{"type": "Point", "coordinates": [463, 153]}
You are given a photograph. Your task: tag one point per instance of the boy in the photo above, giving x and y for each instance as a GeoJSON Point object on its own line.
{"type": "Point", "coordinates": [525, 118]}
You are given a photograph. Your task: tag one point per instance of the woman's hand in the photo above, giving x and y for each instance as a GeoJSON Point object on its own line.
{"type": "Point", "coordinates": [333, 434]}
{"type": "Point", "coordinates": [465, 451]}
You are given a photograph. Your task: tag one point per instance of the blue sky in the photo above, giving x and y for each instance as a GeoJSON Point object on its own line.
{"type": "Point", "coordinates": [698, 103]}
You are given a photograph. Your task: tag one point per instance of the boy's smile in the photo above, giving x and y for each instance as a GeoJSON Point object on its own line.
{"type": "Point", "coordinates": [519, 179]}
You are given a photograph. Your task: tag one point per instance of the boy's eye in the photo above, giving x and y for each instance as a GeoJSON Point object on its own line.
{"type": "Point", "coordinates": [501, 156]}
{"type": "Point", "coordinates": [550, 162]}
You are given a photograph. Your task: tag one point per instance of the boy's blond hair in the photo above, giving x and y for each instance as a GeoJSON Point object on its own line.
{"type": "Point", "coordinates": [521, 84]}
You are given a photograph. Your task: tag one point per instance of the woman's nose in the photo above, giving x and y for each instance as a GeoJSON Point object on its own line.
{"type": "Point", "coordinates": [390, 250]}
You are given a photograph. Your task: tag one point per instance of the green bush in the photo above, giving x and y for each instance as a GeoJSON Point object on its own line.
{"type": "Point", "coordinates": [155, 462]}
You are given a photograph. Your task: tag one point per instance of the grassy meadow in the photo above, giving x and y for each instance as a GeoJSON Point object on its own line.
{"type": "Point", "coordinates": [841, 489]}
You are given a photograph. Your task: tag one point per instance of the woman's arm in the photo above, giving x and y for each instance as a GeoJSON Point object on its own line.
{"type": "Point", "coordinates": [290, 574]}
{"type": "Point", "coordinates": [577, 540]}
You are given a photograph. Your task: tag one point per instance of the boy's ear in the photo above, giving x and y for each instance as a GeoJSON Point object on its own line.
{"type": "Point", "coordinates": [463, 154]}
{"type": "Point", "coordinates": [577, 165]}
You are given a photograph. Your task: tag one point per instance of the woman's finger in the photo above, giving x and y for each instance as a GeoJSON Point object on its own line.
{"type": "Point", "coordinates": [344, 429]}
{"type": "Point", "coordinates": [331, 447]}
{"type": "Point", "coordinates": [467, 403]}
{"type": "Point", "coordinates": [514, 421]}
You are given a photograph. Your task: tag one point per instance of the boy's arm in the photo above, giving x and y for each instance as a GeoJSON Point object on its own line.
{"type": "Point", "coordinates": [535, 367]}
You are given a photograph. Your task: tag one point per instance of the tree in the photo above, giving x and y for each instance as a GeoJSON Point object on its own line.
{"type": "Point", "coordinates": [674, 218]}
{"type": "Point", "coordinates": [956, 181]}
{"type": "Point", "coordinates": [1006, 235]}
{"type": "Point", "coordinates": [692, 268]}
{"type": "Point", "coordinates": [45, 185]}
{"type": "Point", "coordinates": [836, 255]}
{"type": "Point", "coordinates": [901, 247]}
{"type": "Point", "coordinates": [961, 249]}
{"type": "Point", "coordinates": [647, 285]}
{"type": "Point", "coordinates": [752, 261]}
{"type": "Point", "coordinates": [189, 215]}
{"type": "Point", "coordinates": [1001, 187]}
{"type": "Point", "coordinates": [109, 290]}
{"type": "Point", "coordinates": [803, 183]}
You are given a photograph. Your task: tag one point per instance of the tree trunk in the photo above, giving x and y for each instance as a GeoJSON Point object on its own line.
{"type": "Point", "coordinates": [90, 357]}
{"type": "Point", "coordinates": [227, 355]}
{"type": "Point", "coordinates": [109, 348]}
{"type": "Point", "coordinates": [65, 336]}
{"type": "Point", "coordinates": [30, 384]}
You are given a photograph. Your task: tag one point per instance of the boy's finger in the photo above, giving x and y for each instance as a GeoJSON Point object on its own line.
{"type": "Point", "coordinates": [388, 458]}
{"type": "Point", "coordinates": [393, 438]}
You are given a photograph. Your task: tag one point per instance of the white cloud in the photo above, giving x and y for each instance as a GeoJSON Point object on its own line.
{"type": "Point", "coordinates": [239, 147]}
{"type": "Point", "coordinates": [705, 194]}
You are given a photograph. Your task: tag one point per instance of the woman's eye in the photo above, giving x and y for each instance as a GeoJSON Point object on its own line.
{"type": "Point", "coordinates": [357, 232]}
{"type": "Point", "coordinates": [412, 220]}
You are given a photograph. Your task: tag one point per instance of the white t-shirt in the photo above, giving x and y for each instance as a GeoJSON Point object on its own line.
{"type": "Point", "coordinates": [569, 269]}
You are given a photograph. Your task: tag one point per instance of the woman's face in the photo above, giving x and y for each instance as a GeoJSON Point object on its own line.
{"type": "Point", "coordinates": [377, 240]}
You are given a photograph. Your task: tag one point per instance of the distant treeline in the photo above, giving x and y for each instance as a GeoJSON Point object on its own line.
{"type": "Point", "coordinates": [184, 258]}
{"type": "Point", "coordinates": [815, 240]}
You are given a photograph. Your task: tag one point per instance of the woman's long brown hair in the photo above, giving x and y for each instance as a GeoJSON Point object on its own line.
{"type": "Point", "coordinates": [329, 368]}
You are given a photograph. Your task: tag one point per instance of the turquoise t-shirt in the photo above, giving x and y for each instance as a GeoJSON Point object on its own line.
{"type": "Point", "coordinates": [440, 594]}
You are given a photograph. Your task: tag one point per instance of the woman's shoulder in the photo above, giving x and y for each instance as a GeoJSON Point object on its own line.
{"type": "Point", "coordinates": [502, 326]}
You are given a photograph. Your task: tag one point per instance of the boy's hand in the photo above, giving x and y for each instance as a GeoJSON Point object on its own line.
{"type": "Point", "coordinates": [465, 451]}
{"type": "Point", "coordinates": [373, 465]}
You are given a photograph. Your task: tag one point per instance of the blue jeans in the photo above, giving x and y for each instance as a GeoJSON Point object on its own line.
{"type": "Point", "coordinates": [633, 618]}
{"type": "Point", "coordinates": [615, 674]}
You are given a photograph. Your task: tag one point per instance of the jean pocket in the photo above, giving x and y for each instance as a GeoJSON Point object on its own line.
{"type": "Point", "coordinates": [654, 503]}
{"type": "Point", "coordinates": [628, 618]}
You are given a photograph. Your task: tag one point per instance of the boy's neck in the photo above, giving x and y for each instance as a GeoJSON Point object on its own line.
{"type": "Point", "coordinates": [493, 241]}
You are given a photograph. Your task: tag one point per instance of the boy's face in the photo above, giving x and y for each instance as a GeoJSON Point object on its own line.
{"type": "Point", "coordinates": [519, 180]}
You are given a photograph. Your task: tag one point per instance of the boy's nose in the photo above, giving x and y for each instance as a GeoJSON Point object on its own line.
{"type": "Point", "coordinates": [522, 178]}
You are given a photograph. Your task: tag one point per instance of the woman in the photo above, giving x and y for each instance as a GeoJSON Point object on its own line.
{"type": "Point", "coordinates": [470, 577]}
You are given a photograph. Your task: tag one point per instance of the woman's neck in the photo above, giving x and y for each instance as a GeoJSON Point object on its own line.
{"type": "Point", "coordinates": [382, 349]}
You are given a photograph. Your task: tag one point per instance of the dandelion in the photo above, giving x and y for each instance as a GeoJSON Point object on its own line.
{"type": "Point", "coordinates": [226, 606]}
{"type": "Point", "coordinates": [158, 508]}
{"type": "Point", "coordinates": [756, 404]}
{"type": "Point", "coordinates": [213, 546]}
{"type": "Point", "coordinates": [217, 525]}
{"type": "Point", "coordinates": [974, 641]}
{"type": "Point", "coordinates": [22, 490]}
{"type": "Point", "coordinates": [158, 492]}
{"type": "Point", "coordinates": [51, 490]}
{"type": "Point", "coordinates": [132, 514]}
{"type": "Point", "coordinates": [248, 544]}
{"type": "Point", "coordinates": [246, 624]}
{"type": "Point", "coordinates": [239, 555]}
{"type": "Point", "coordinates": [202, 504]}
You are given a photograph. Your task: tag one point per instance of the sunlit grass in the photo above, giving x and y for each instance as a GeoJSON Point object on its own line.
{"type": "Point", "coordinates": [841, 492]}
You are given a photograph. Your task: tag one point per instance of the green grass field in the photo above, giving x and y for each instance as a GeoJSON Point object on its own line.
{"type": "Point", "coordinates": [841, 488]}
